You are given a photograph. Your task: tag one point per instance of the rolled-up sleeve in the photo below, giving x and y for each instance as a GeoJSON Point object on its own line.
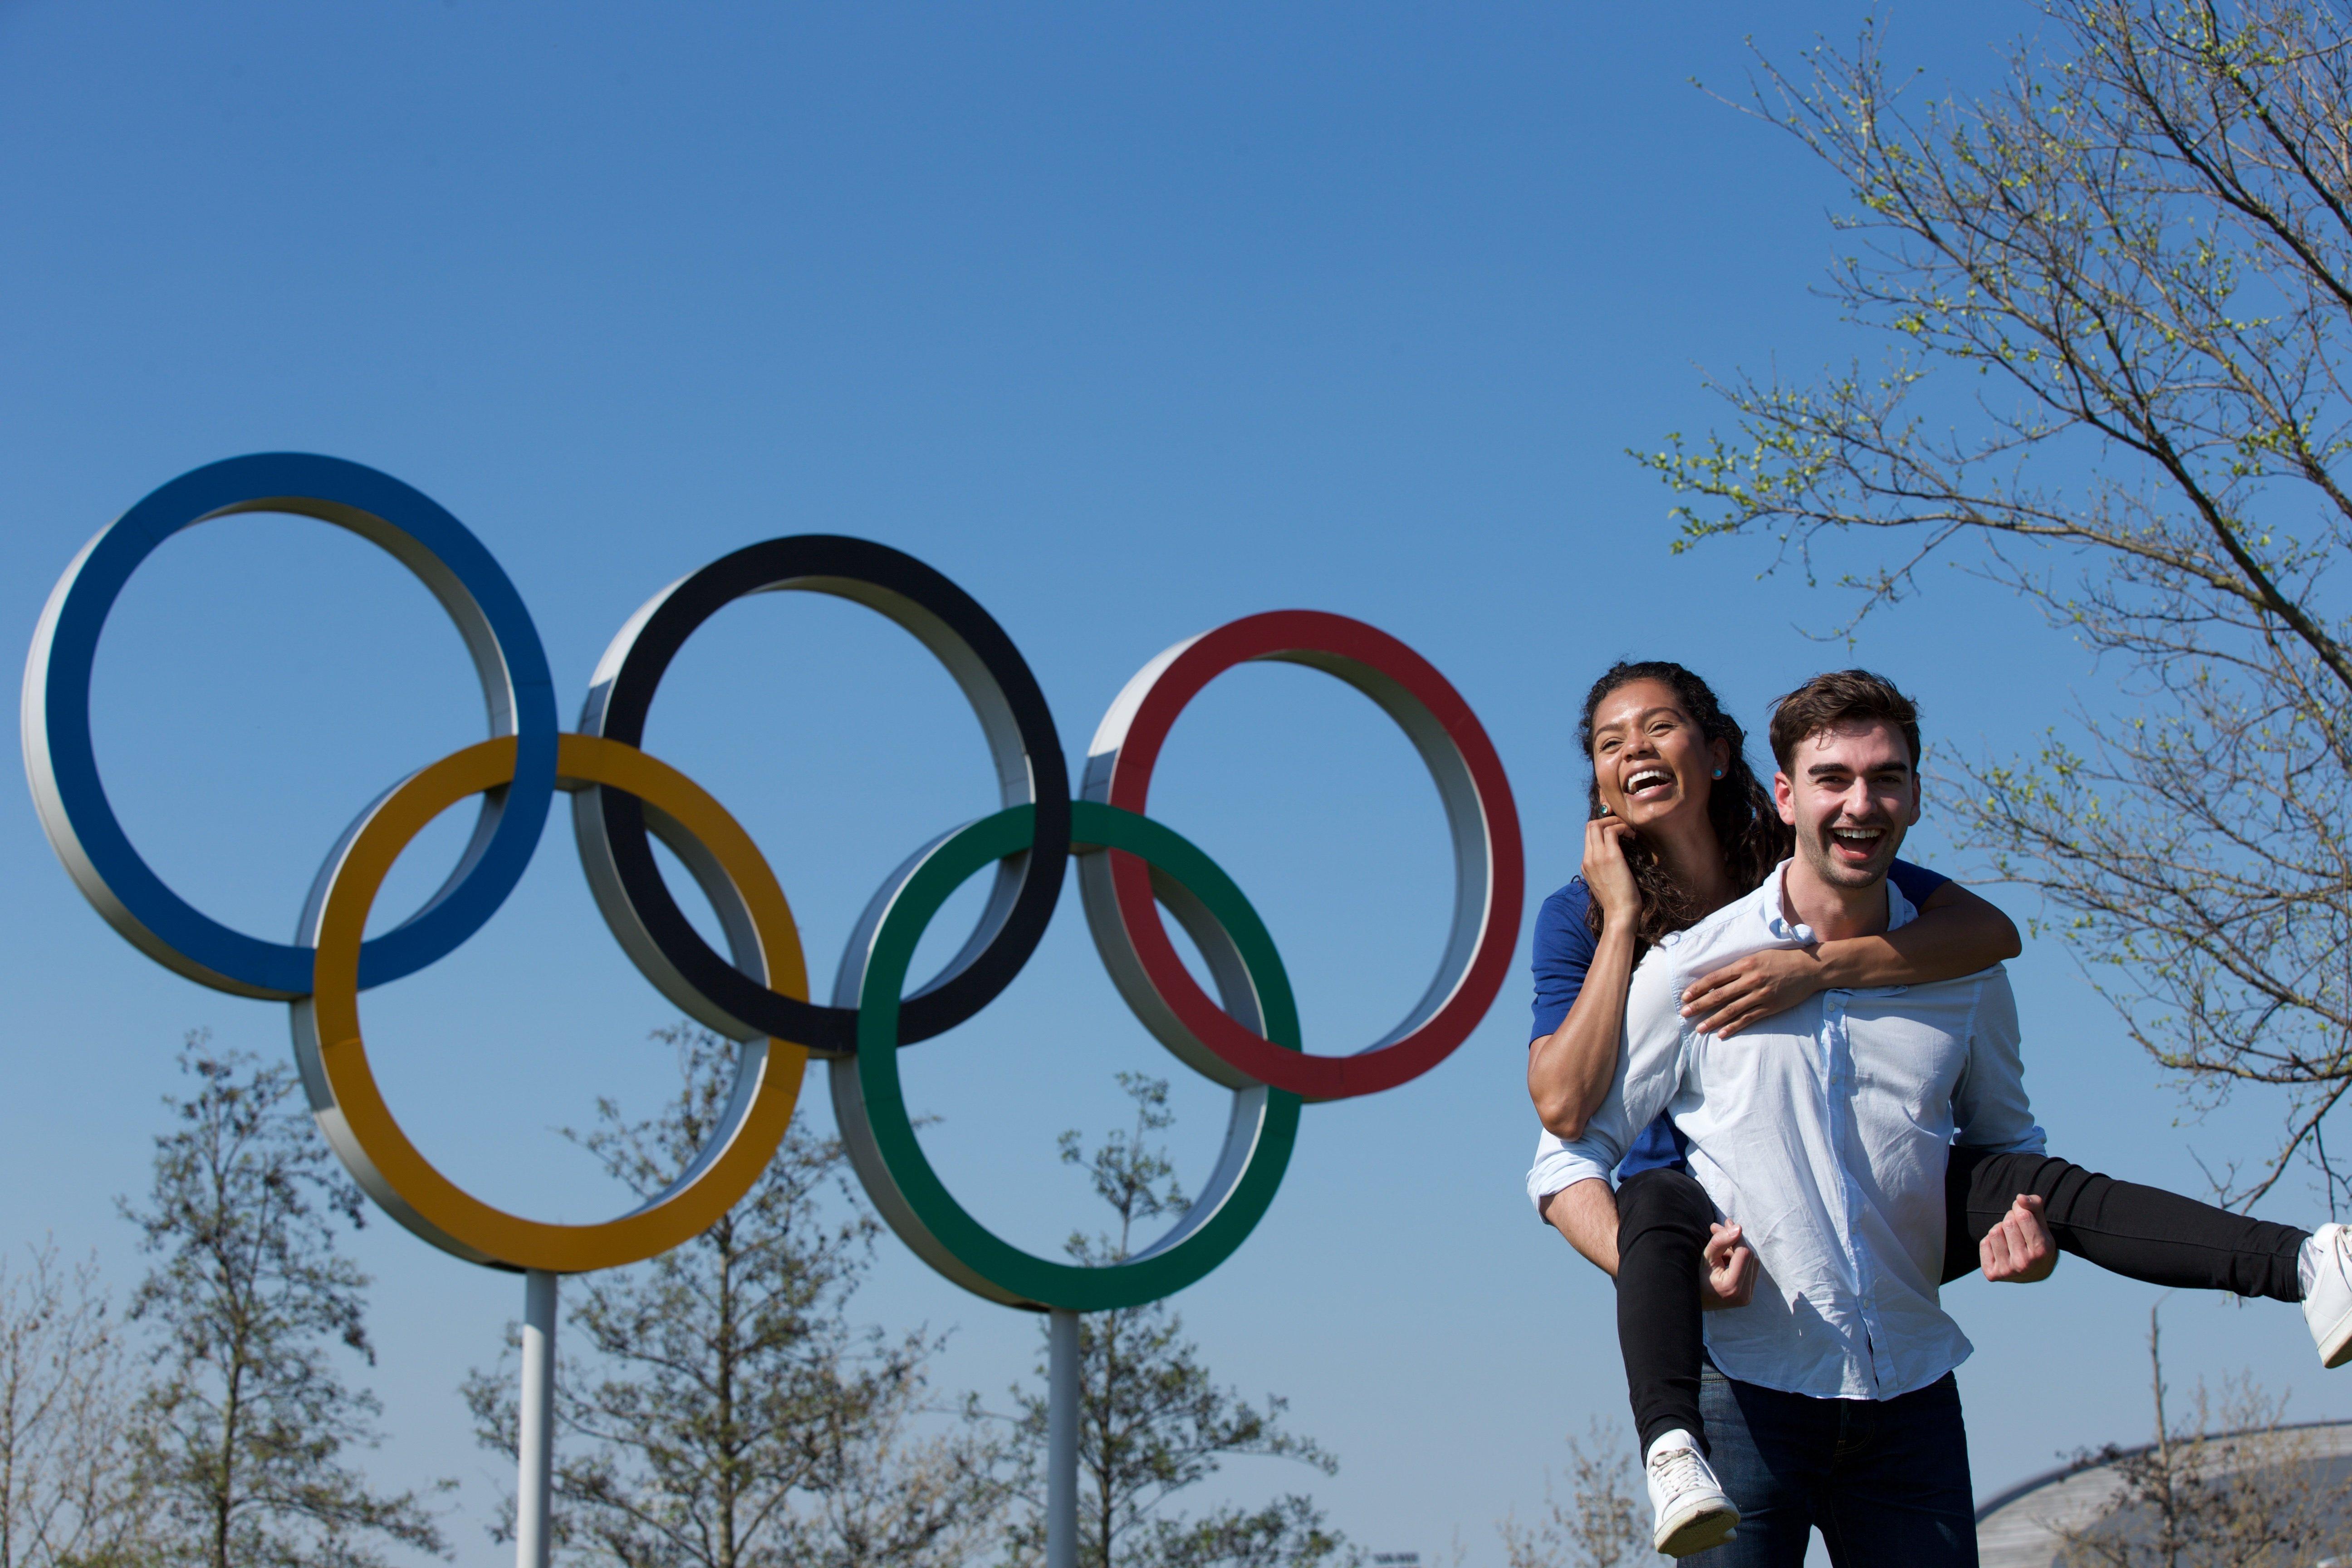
{"type": "Point", "coordinates": [1989, 1110]}
{"type": "Point", "coordinates": [1559, 1167]}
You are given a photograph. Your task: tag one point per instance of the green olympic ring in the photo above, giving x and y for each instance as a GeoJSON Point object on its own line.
{"type": "Point", "coordinates": [879, 1134]}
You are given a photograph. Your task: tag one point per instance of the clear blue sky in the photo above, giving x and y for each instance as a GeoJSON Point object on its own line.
{"type": "Point", "coordinates": [1131, 319]}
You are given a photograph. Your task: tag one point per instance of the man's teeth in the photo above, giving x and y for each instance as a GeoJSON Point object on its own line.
{"type": "Point", "coordinates": [1857, 834]}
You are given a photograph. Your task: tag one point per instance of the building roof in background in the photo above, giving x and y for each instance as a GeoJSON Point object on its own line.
{"type": "Point", "coordinates": [2026, 1525]}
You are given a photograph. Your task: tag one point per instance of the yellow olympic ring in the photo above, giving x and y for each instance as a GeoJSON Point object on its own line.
{"type": "Point", "coordinates": [351, 1108]}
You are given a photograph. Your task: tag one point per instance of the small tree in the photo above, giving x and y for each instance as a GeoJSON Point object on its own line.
{"type": "Point", "coordinates": [715, 1406]}
{"type": "Point", "coordinates": [1151, 1421]}
{"type": "Point", "coordinates": [70, 1492]}
{"type": "Point", "coordinates": [2135, 257]}
{"type": "Point", "coordinates": [1604, 1523]}
{"type": "Point", "coordinates": [246, 1428]}
{"type": "Point", "coordinates": [2254, 1495]}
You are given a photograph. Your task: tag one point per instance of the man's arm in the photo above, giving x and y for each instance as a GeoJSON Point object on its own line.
{"type": "Point", "coordinates": [1989, 1110]}
{"type": "Point", "coordinates": [1585, 1213]}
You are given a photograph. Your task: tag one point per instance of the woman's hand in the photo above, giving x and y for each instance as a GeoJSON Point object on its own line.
{"type": "Point", "coordinates": [1727, 1000]}
{"type": "Point", "coordinates": [1608, 875]}
{"type": "Point", "coordinates": [1731, 1278]}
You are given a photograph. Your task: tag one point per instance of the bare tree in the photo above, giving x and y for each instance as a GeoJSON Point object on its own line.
{"type": "Point", "coordinates": [1604, 1522]}
{"type": "Point", "coordinates": [716, 1407]}
{"type": "Point", "coordinates": [246, 1430]}
{"type": "Point", "coordinates": [71, 1494]}
{"type": "Point", "coordinates": [901, 1497]}
{"type": "Point", "coordinates": [2256, 1494]}
{"type": "Point", "coordinates": [1152, 1420]}
{"type": "Point", "coordinates": [2117, 291]}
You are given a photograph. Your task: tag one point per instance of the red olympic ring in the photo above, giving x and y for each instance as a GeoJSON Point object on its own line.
{"type": "Point", "coordinates": [1489, 879]}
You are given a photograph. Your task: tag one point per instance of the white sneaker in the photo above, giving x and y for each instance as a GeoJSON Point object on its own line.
{"type": "Point", "coordinates": [1692, 1512]}
{"type": "Point", "coordinates": [2327, 1293]}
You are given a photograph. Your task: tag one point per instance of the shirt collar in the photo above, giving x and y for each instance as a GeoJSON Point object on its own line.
{"type": "Point", "coordinates": [1772, 906]}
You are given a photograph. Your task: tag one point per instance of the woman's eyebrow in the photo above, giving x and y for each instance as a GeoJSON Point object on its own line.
{"type": "Point", "coordinates": [1637, 717]}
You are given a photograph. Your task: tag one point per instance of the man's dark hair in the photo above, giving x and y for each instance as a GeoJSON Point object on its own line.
{"type": "Point", "coordinates": [1839, 697]}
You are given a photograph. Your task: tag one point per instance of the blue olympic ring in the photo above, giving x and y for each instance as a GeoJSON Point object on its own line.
{"type": "Point", "coordinates": [459, 571]}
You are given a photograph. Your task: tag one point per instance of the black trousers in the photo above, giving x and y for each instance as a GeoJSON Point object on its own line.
{"type": "Point", "coordinates": [2141, 1233]}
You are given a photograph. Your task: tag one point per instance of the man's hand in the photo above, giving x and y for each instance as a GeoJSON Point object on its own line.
{"type": "Point", "coordinates": [1731, 1278]}
{"type": "Point", "coordinates": [2019, 1250]}
{"type": "Point", "coordinates": [1726, 1001]}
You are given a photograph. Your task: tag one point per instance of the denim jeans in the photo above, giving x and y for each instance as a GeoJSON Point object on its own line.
{"type": "Point", "coordinates": [1885, 1481]}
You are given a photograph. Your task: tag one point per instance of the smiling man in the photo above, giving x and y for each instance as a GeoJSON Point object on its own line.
{"type": "Point", "coordinates": [1829, 1131]}
{"type": "Point", "coordinates": [1825, 1132]}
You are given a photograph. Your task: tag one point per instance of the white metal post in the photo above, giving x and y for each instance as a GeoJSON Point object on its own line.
{"type": "Point", "coordinates": [535, 1462]}
{"type": "Point", "coordinates": [1062, 1441]}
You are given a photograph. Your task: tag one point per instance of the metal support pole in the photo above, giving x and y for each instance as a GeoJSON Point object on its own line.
{"type": "Point", "coordinates": [1062, 1442]}
{"type": "Point", "coordinates": [536, 1460]}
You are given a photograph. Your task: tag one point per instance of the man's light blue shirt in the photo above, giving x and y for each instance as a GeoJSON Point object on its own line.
{"type": "Point", "coordinates": [1824, 1131]}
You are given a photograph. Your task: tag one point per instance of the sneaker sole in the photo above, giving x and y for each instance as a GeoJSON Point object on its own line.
{"type": "Point", "coordinates": [1710, 1525]}
{"type": "Point", "coordinates": [2336, 1349]}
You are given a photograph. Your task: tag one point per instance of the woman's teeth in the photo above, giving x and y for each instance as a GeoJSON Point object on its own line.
{"type": "Point", "coordinates": [1646, 778]}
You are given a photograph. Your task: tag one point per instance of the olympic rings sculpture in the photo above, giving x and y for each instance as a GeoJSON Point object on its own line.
{"type": "Point", "coordinates": [1247, 1038]}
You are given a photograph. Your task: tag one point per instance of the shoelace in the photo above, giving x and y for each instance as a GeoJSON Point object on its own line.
{"type": "Point", "coordinates": [1678, 1470]}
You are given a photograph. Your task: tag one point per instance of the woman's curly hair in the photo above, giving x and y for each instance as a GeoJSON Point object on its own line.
{"type": "Point", "coordinates": [1746, 824]}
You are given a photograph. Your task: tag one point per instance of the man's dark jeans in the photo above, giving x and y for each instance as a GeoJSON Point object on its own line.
{"type": "Point", "coordinates": [1885, 1480]}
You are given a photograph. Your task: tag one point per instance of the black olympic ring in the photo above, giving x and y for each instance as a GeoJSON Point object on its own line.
{"type": "Point", "coordinates": [618, 850]}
